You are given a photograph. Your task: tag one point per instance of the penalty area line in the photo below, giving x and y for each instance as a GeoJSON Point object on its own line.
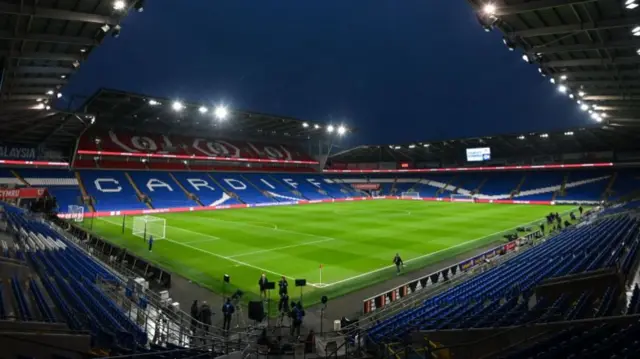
{"type": "Point", "coordinates": [223, 257]}
{"type": "Point", "coordinates": [430, 254]}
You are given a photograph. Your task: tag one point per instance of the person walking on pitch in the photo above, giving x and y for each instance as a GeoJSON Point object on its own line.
{"type": "Point", "coordinates": [398, 262]}
{"type": "Point", "coordinates": [150, 243]}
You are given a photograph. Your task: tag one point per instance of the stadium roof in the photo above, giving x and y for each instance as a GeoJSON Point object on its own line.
{"type": "Point", "coordinates": [42, 44]}
{"type": "Point", "coordinates": [162, 115]}
{"type": "Point", "coordinates": [589, 48]}
{"type": "Point", "coordinates": [522, 145]}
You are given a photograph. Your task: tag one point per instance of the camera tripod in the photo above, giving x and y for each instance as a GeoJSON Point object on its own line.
{"type": "Point", "coordinates": [239, 315]}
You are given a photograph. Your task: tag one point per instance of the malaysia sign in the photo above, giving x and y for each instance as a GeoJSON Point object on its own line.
{"type": "Point", "coordinates": [16, 152]}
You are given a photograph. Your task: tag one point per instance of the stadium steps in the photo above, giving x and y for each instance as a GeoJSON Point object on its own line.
{"type": "Point", "coordinates": [607, 192]}
{"type": "Point", "coordinates": [295, 192]}
{"type": "Point", "coordinates": [84, 192]}
{"type": "Point", "coordinates": [22, 180]}
{"type": "Point", "coordinates": [563, 187]}
{"type": "Point", "coordinates": [446, 186]}
{"type": "Point", "coordinates": [232, 194]}
{"type": "Point", "coordinates": [520, 184]}
{"type": "Point", "coordinates": [479, 188]}
{"type": "Point", "coordinates": [189, 195]}
{"type": "Point", "coordinates": [141, 195]}
{"type": "Point", "coordinates": [392, 191]}
{"type": "Point", "coordinates": [262, 191]}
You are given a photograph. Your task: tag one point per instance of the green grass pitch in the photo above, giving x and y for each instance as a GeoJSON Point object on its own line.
{"type": "Point", "coordinates": [354, 241]}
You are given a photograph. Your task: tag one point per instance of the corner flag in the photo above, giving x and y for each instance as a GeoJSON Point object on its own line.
{"type": "Point", "coordinates": [321, 266]}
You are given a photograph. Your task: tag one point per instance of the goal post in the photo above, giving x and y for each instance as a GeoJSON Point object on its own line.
{"type": "Point", "coordinates": [76, 213]}
{"type": "Point", "coordinates": [410, 194]}
{"type": "Point", "coordinates": [145, 226]}
{"type": "Point", "coordinates": [457, 197]}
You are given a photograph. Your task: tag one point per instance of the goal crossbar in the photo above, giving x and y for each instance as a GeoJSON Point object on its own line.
{"type": "Point", "coordinates": [147, 226]}
{"type": "Point", "coordinates": [410, 194]}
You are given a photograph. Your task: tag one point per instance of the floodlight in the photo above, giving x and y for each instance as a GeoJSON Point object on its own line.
{"type": "Point", "coordinates": [562, 88]}
{"type": "Point", "coordinates": [119, 5]}
{"type": "Point", "coordinates": [584, 107]}
{"type": "Point", "coordinates": [93, 119]}
{"type": "Point", "coordinates": [83, 50]}
{"type": "Point", "coordinates": [508, 43]}
{"type": "Point", "coordinates": [425, 145]}
{"type": "Point", "coordinates": [603, 115]}
{"type": "Point", "coordinates": [39, 106]}
{"type": "Point", "coordinates": [526, 58]}
{"type": "Point", "coordinates": [153, 103]}
{"type": "Point", "coordinates": [521, 137]}
{"type": "Point", "coordinates": [316, 126]}
{"type": "Point", "coordinates": [221, 112]}
{"type": "Point", "coordinates": [330, 128]}
{"type": "Point", "coordinates": [105, 28]}
{"type": "Point", "coordinates": [342, 130]}
{"type": "Point", "coordinates": [568, 133]}
{"type": "Point", "coordinates": [596, 117]}
{"type": "Point", "coordinates": [63, 76]}
{"type": "Point", "coordinates": [544, 135]}
{"type": "Point", "coordinates": [116, 31]}
{"type": "Point", "coordinates": [202, 109]}
{"type": "Point", "coordinates": [489, 9]}
{"type": "Point", "coordinates": [636, 31]}
{"type": "Point", "coordinates": [58, 95]}
{"type": "Point", "coordinates": [571, 95]}
{"type": "Point", "coordinates": [50, 92]}
{"type": "Point", "coordinates": [139, 6]}
{"type": "Point", "coordinates": [412, 146]}
{"type": "Point", "coordinates": [563, 77]}
{"type": "Point", "coordinates": [38, 100]}
{"type": "Point", "coordinates": [305, 125]}
{"type": "Point", "coordinates": [581, 93]}
{"type": "Point", "coordinates": [396, 148]}
{"type": "Point", "coordinates": [177, 106]}
{"type": "Point", "coordinates": [552, 80]}
{"type": "Point", "coordinates": [632, 6]}
{"type": "Point", "coordinates": [47, 108]}
{"type": "Point", "coordinates": [638, 51]}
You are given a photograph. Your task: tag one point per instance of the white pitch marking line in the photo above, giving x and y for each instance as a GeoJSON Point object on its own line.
{"type": "Point", "coordinates": [200, 241]}
{"type": "Point", "coordinates": [237, 262]}
{"type": "Point", "coordinates": [432, 253]}
{"type": "Point", "coordinates": [263, 227]}
{"type": "Point", "coordinates": [283, 247]}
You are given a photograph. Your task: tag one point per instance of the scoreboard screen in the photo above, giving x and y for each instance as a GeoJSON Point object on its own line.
{"type": "Point", "coordinates": [478, 154]}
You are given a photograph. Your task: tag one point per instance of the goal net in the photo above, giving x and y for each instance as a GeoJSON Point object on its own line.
{"type": "Point", "coordinates": [76, 213]}
{"type": "Point", "coordinates": [457, 197]}
{"type": "Point", "coordinates": [410, 194]}
{"type": "Point", "coordinates": [145, 226]}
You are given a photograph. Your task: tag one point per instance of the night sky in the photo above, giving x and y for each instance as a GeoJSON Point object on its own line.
{"type": "Point", "coordinates": [398, 70]}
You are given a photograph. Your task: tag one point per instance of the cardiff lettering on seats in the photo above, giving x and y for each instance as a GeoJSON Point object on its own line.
{"type": "Point", "coordinates": [154, 183]}
{"type": "Point", "coordinates": [198, 183]}
{"type": "Point", "coordinates": [112, 185]}
{"type": "Point", "coordinates": [267, 183]}
{"type": "Point", "coordinates": [290, 182]}
{"type": "Point", "coordinates": [313, 182]}
{"type": "Point", "coordinates": [216, 148]}
{"type": "Point", "coordinates": [235, 184]}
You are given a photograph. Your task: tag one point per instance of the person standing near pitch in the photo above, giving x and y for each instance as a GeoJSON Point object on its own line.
{"type": "Point", "coordinates": [398, 262]}
{"type": "Point", "coordinates": [150, 243]}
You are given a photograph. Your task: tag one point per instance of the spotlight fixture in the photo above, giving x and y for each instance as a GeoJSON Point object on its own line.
{"type": "Point", "coordinates": [412, 146]}
{"type": "Point", "coordinates": [584, 107]}
{"type": "Point", "coordinates": [38, 100]}
{"type": "Point", "coordinates": [105, 28]}
{"type": "Point", "coordinates": [116, 31]}
{"type": "Point", "coordinates": [63, 76]}
{"type": "Point", "coordinates": [563, 77]}
{"type": "Point", "coordinates": [635, 31]}
{"type": "Point", "coordinates": [139, 6]}
{"type": "Point", "coordinates": [568, 133]}
{"type": "Point", "coordinates": [552, 80]}
{"type": "Point", "coordinates": [562, 88]}
{"type": "Point", "coordinates": [638, 51]}
{"type": "Point", "coordinates": [425, 145]}
{"type": "Point", "coordinates": [119, 5]}
{"type": "Point", "coordinates": [544, 135]}
{"type": "Point", "coordinates": [83, 50]}
{"type": "Point", "coordinates": [316, 126]}
{"type": "Point", "coordinates": [50, 92]}
{"type": "Point", "coordinates": [581, 93]}
{"type": "Point", "coordinates": [489, 9]}
{"type": "Point", "coordinates": [76, 64]}
{"type": "Point", "coordinates": [202, 109]}
{"type": "Point", "coordinates": [47, 108]}
{"type": "Point", "coordinates": [508, 43]}
{"type": "Point", "coordinates": [153, 103]}
{"type": "Point", "coordinates": [39, 106]}
{"type": "Point", "coordinates": [58, 95]}
{"type": "Point", "coordinates": [531, 58]}
{"type": "Point", "coordinates": [177, 106]}
{"type": "Point", "coordinates": [630, 4]}
{"type": "Point", "coordinates": [330, 128]}
{"type": "Point", "coordinates": [342, 130]}
{"type": "Point", "coordinates": [603, 115]}
{"type": "Point", "coordinates": [521, 137]}
{"type": "Point", "coordinates": [571, 96]}
{"type": "Point", "coordinates": [305, 125]}
{"type": "Point", "coordinates": [221, 112]}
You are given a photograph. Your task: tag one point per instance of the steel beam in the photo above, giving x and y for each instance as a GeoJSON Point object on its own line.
{"type": "Point", "coordinates": [630, 60]}
{"type": "Point", "coordinates": [612, 73]}
{"type": "Point", "coordinates": [56, 39]}
{"type": "Point", "coordinates": [29, 90]}
{"type": "Point", "coordinates": [610, 83]}
{"type": "Point", "coordinates": [39, 81]}
{"type": "Point", "coordinates": [577, 27]}
{"type": "Point", "coordinates": [24, 97]}
{"type": "Point", "coordinates": [47, 70]}
{"type": "Point", "coordinates": [530, 6]}
{"type": "Point", "coordinates": [42, 56]}
{"type": "Point", "coordinates": [41, 12]}
{"type": "Point", "coordinates": [635, 43]}
{"type": "Point", "coordinates": [628, 97]}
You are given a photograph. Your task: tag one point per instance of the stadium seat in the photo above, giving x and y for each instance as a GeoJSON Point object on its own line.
{"type": "Point", "coordinates": [111, 190]}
